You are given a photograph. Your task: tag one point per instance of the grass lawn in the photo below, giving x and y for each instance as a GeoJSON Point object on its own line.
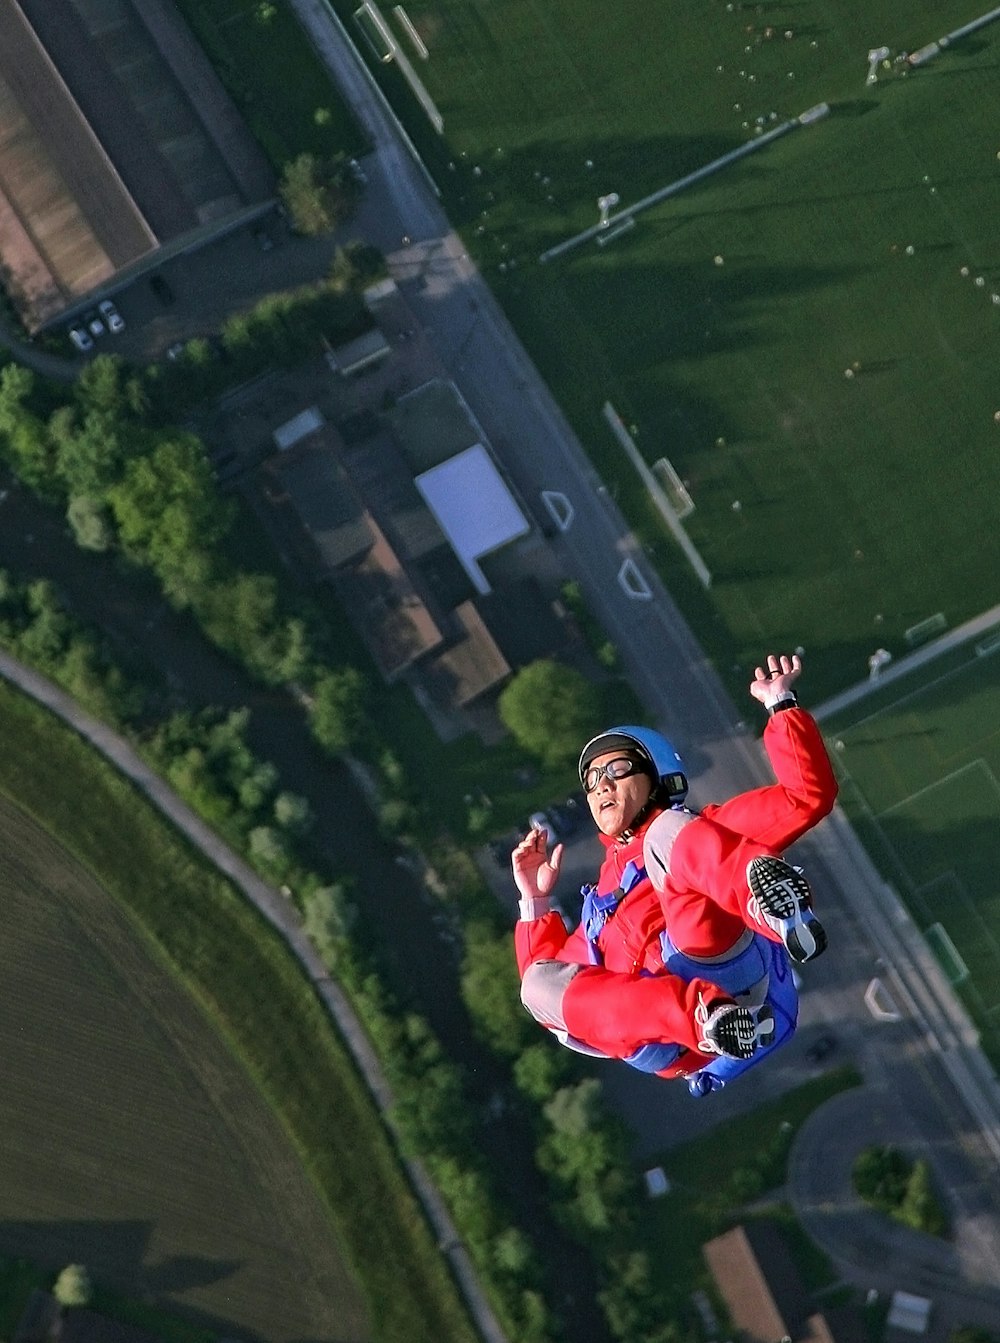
{"type": "Point", "coordinates": [272, 73]}
{"type": "Point", "coordinates": [833, 511]}
{"type": "Point", "coordinates": [920, 777]}
{"type": "Point", "coordinates": [712, 1177]}
{"type": "Point", "coordinates": [244, 1174]}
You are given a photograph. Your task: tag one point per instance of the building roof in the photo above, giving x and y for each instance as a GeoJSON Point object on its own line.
{"type": "Point", "coordinates": [474, 507]}
{"type": "Point", "coordinates": [326, 504]}
{"type": "Point", "coordinates": [118, 138]}
{"type": "Point", "coordinates": [522, 621]}
{"type": "Point", "coordinates": [758, 1282]}
{"type": "Point", "coordinates": [470, 666]}
{"type": "Point", "coordinates": [300, 426]}
{"type": "Point", "coordinates": [386, 609]}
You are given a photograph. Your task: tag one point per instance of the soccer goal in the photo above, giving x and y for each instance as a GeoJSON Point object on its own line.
{"type": "Point", "coordinates": [947, 954]}
{"type": "Point", "coordinates": [674, 487]}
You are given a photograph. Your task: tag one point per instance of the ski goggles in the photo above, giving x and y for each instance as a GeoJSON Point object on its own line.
{"type": "Point", "coordinates": [618, 768]}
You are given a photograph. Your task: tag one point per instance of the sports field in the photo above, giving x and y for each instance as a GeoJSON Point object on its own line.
{"type": "Point", "coordinates": [133, 1141]}
{"type": "Point", "coordinates": [795, 333]}
{"type": "Point", "coordinates": [920, 777]}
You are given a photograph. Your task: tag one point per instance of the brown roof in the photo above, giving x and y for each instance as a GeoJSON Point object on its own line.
{"type": "Point", "coordinates": [470, 666]}
{"type": "Point", "coordinates": [386, 608]}
{"type": "Point", "coordinates": [758, 1282]}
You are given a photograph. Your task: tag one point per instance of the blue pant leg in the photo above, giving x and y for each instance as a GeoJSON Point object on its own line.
{"type": "Point", "coordinates": [762, 960]}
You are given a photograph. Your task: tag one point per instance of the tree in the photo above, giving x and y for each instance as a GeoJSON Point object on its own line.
{"type": "Point", "coordinates": [337, 713]}
{"type": "Point", "coordinates": [541, 1070]}
{"type": "Point", "coordinates": [242, 614]}
{"type": "Point", "coordinates": [90, 523]}
{"type": "Point", "coordinates": [880, 1176]}
{"type": "Point", "coordinates": [490, 990]}
{"type": "Point", "coordinates": [24, 439]}
{"type": "Point", "coordinates": [170, 515]}
{"type": "Point", "coordinates": [267, 850]}
{"type": "Point", "coordinates": [73, 1286]}
{"type": "Point", "coordinates": [316, 193]}
{"type": "Point", "coordinates": [293, 813]}
{"type": "Point", "coordinates": [329, 916]}
{"type": "Point", "coordinates": [551, 710]}
{"type": "Point", "coordinates": [919, 1207]}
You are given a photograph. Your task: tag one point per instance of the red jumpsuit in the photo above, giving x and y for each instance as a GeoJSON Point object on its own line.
{"type": "Point", "coordinates": [630, 1000]}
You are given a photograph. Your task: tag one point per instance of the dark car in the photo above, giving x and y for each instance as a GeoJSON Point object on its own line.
{"type": "Point", "coordinates": [162, 290]}
{"type": "Point", "coordinates": [569, 815]}
{"type": "Point", "coordinates": [820, 1048]}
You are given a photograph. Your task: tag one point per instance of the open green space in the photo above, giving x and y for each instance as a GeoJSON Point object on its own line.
{"type": "Point", "coordinates": [280, 1204]}
{"type": "Point", "coordinates": [712, 1177]}
{"type": "Point", "coordinates": [272, 73]}
{"type": "Point", "coordinates": [794, 333]}
{"type": "Point", "coordinates": [919, 765]}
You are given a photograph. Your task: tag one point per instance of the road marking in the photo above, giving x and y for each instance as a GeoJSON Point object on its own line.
{"type": "Point", "coordinates": [633, 584]}
{"type": "Point", "coordinates": [561, 510]}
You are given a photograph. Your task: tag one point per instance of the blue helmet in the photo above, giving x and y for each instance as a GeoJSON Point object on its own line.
{"type": "Point", "coordinates": [665, 764]}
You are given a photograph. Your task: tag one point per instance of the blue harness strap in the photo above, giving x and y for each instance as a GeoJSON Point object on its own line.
{"type": "Point", "coordinates": [597, 909]}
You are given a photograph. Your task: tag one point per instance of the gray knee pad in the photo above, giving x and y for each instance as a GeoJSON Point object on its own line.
{"type": "Point", "coordinates": [543, 989]}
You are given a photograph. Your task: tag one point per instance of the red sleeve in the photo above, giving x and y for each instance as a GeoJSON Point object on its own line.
{"type": "Point", "coordinates": [546, 939]}
{"type": "Point", "coordinates": [806, 789]}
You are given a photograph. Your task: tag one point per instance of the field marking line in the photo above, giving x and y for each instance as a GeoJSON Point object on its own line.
{"type": "Point", "coordinates": [656, 493]}
{"type": "Point", "coordinates": [682, 183]}
{"type": "Point", "coordinates": [962, 634]}
{"type": "Point", "coordinates": [950, 777]}
{"type": "Point", "coordinates": [970, 912]}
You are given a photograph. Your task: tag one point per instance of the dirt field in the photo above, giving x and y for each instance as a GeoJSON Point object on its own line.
{"type": "Point", "coordinates": [133, 1141]}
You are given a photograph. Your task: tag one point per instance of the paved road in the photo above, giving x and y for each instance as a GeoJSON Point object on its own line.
{"type": "Point", "coordinates": [927, 1077]}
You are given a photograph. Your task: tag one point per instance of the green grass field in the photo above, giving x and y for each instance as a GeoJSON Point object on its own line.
{"type": "Point", "coordinates": [134, 1141]}
{"type": "Point", "coordinates": [184, 1115]}
{"type": "Point", "coordinates": [832, 510]}
{"type": "Point", "coordinates": [920, 773]}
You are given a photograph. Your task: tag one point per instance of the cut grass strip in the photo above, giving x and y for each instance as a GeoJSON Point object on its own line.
{"type": "Point", "coordinates": [247, 982]}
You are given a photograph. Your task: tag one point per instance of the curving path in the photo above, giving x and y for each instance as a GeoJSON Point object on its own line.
{"type": "Point", "coordinates": [284, 918]}
{"type": "Point", "coordinates": [960, 1274]}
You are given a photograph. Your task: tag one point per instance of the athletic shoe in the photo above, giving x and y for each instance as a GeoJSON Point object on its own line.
{"type": "Point", "coordinates": [780, 899]}
{"type": "Point", "coordinates": [733, 1031]}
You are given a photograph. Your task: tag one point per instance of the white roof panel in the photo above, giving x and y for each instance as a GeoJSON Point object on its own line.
{"type": "Point", "coordinates": [473, 506]}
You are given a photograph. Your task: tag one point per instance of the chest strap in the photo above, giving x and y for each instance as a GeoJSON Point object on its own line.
{"type": "Point", "coordinates": [597, 909]}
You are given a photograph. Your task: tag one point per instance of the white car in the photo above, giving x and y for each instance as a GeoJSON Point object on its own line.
{"type": "Point", "coordinates": [111, 315]}
{"type": "Point", "coordinates": [80, 337]}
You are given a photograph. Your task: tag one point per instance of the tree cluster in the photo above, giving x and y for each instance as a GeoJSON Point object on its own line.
{"type": "Point", "coordinates": [897, 1185]}
{"type": "Point", "coordinates": [131, 486]}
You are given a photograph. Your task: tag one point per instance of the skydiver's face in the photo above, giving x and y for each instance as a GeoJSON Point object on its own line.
{"type": "Point", "coordinates": [615, 803]}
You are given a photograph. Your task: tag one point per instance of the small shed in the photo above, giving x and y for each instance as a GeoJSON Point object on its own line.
{"type": "Point", "coordinates": [297, 428]}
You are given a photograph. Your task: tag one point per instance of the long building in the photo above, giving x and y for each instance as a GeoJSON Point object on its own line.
{"type": "Point", "coordinates": [116, 140]}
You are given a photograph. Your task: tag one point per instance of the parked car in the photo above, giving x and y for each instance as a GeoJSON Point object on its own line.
{"type": "Point", "coordinates": [162, 290]}
{"type": "Point", "coordinates": [820, 1048]}
{"type": "Point", "coordinates": [569, 815]}
{"type": "Point", "coordinates": [80, 337]}
{"type": "Point", "coordinates": [175, 351]}
{"type": "Point", "coordinates": [94, 324]}
{"type": "Point", "coordinates": [542, 821]}
{"type": "Point", "coordinates": [115, 321]}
